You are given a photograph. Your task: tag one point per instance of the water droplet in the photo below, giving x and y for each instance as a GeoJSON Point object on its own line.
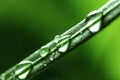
{"type": "Point", "coordinates": [57, 38]}
{"type": "Point", "coordinates": [57, 54]}
{"type": "Point", "coordinates": [64, 47]}
{"type": "Point", "coordinates": [94, 21]}
{"type": "Point", "coordinates": [23, 69]}
{"type": "Point", "coordinates": [52, 56]}
{"type": "Point", "coordinates": [44, 51]}
{"type": "Point", "coordinates": [45, 64]}
{"type": "Point", "coordinates": [23, 76]}
{"type": "Point", "coordinates": [96, 27]}
{"type": "Point", "coordinates": [62, 42]}
{"type": "Point", "coordinates": [92, 14]}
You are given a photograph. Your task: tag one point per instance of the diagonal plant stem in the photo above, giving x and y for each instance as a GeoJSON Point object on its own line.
{"type": "Point", "coordinates": [94, 22]}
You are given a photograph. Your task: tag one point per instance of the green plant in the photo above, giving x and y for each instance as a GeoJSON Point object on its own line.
{"type": "Point", "coordinates": [92, 24]}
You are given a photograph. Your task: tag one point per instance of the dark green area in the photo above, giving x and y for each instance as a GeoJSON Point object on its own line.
{"type": "Point", "coordinates": [26, 25]}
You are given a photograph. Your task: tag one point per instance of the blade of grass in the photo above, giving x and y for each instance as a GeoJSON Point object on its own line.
{"type": "Point", "coordinates": [94, 22]}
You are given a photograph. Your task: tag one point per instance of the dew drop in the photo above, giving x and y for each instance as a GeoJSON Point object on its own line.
{"type": "Point", "coordinates": [45, 64]}
{"type": "Point", "coordinates": [54, 56]}
{"type": "Point", "coordinates": [94, 21]}
{"type": "Point", "coordinates": [96, 27]}
{"type": "Point", "coordinates": [51, 58]}
{"type": "Point", "coordinates": [64, 47]}
{"type": "Point", "coordinates": [23, 76]}
{"type": "Point", "coordinates": [44, 51]}
{"type": "Point", "coordinates": [92, 14]}
{"type": "Point", "coordinates": [23, 69]}
{"type": "Point", "coordinates": [57, 38]}
{"type": "Point", "coordinates": [57, 54]}
{"type": "Point", "coordinates": [62, 42]}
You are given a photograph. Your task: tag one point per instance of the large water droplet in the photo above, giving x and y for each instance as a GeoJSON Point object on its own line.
{"type": "Point", "coordinates": [23, 69]}
{"type": "Point", "coordinates": [64, 47]}
{"type": "Point", "coordinates": [62, 42]}
{"type": "Point", "coordinates": [94, 21]}
{"type": "Point", "coordinates": [96, 27]}
{"type": "Point", "coordinates": [44, 51]}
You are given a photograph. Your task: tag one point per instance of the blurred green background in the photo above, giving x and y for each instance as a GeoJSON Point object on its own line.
{"type": "Point", "coordinates": [26, 25]}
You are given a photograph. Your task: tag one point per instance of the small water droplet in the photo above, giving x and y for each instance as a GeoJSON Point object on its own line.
{"type": "Point", "coordinates": [23, 69]}
{"type": "Point", "coordinates": [44, 51]}
{"type": "Point", "coordinates": [57, 38]}
{"type": "Point", "coordinates": [52, 56]}
{"type": "Point", "coordinates": [57, 54]}
{"type": "Point", "coordinates": [45, 64]}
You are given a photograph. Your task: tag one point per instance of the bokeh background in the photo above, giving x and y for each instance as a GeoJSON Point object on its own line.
{"type": "Point", "coordinates": [26, 25]}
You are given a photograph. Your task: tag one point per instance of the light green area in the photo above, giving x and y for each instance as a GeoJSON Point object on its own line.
{"type": "Point", "coordinates": [26, 25]}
